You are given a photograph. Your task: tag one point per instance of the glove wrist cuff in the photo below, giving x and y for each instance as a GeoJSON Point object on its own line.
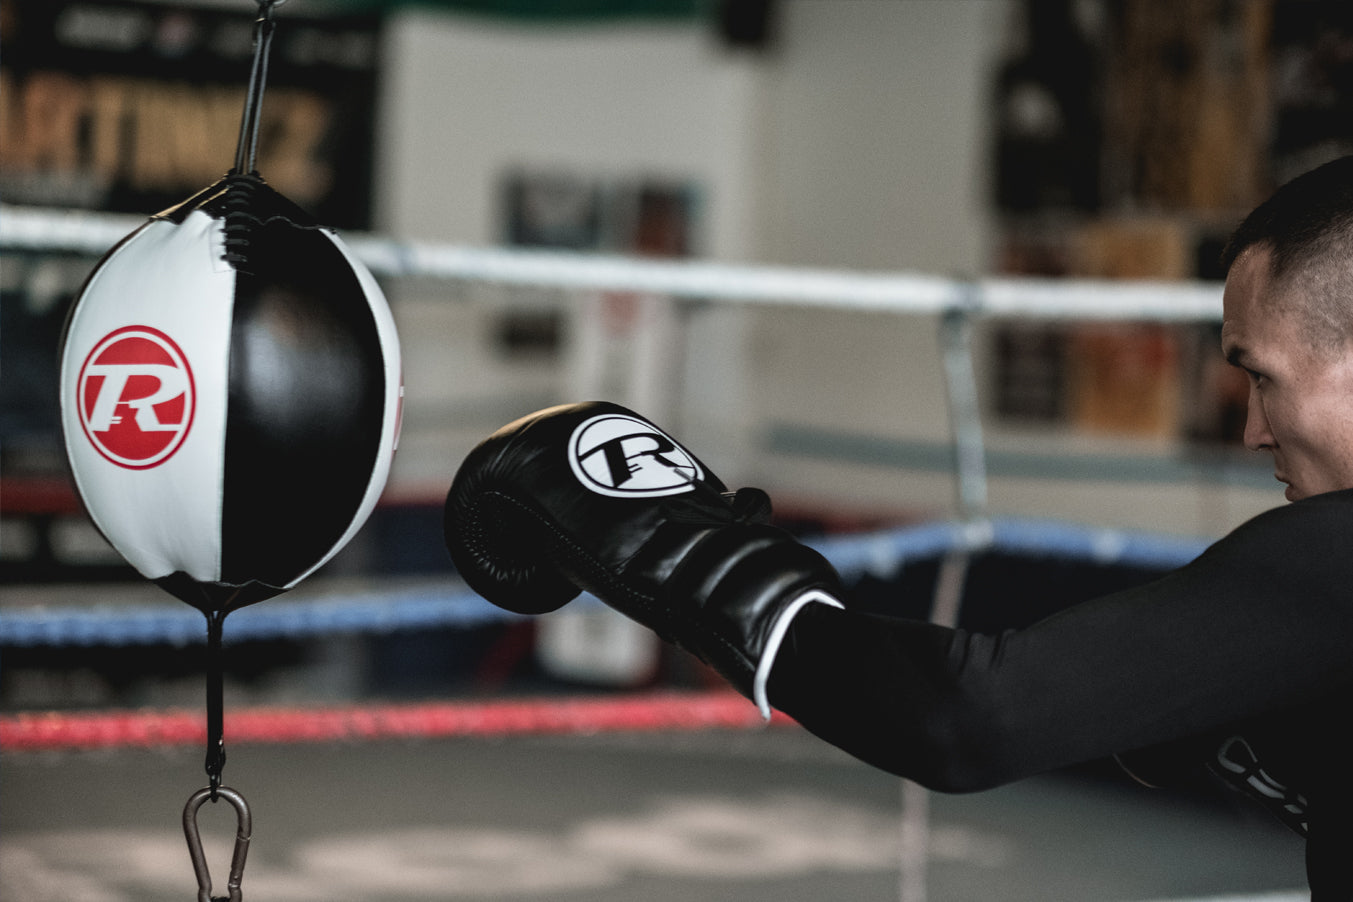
{"type": "Point", "coordinates": [777, 636]}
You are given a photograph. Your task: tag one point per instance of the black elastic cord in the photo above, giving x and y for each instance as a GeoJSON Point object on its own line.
{"type": "Point", "coordinates": [246, 152]}
{"type": "Point", "coordinates": [215, 701]}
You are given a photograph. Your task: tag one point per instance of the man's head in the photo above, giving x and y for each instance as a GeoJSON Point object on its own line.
{"type": "Point", "coordinates": [1288, 323]}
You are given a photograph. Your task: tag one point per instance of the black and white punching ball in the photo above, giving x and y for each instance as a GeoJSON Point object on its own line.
{"type": "Point", "coordinates": [230, 391]}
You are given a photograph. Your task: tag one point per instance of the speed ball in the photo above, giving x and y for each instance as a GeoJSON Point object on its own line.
{"type": "Point", "coordinates": [230, 395]}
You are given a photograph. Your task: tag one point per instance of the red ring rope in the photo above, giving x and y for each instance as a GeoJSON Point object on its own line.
{"type": "Point", "coordinates": [41, 731]}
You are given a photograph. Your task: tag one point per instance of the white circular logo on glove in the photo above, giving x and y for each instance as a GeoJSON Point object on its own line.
{"type": "Point", "coordinates": [626, 457]}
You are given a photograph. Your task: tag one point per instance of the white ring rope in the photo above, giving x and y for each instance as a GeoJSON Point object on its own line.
{"type": "Point", "coordinates": [32, 229]}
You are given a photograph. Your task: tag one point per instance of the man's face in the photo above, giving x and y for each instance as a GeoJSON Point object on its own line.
{"type": "Point", "coordinates": [1301, 397]}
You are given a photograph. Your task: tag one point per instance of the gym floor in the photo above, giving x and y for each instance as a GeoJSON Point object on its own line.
{"type": "Point", "coordinates": [747, 815]}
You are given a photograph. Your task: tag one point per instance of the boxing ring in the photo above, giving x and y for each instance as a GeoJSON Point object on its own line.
{"type": "Point", "coordinates": [950, 544]}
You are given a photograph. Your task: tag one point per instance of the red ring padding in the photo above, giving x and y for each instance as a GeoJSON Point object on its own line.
{"type": "Point", "coordinates": [44, 731]}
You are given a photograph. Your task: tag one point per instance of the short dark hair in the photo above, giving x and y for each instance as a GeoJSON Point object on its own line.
{"type": "Point", "coordinates": [1307, 225]}
{"type": "Point", "coordinates": [1301, 218]}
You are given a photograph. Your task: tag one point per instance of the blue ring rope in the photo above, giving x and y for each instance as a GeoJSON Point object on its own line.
{"type": "Point", "coordinates": [881, 554]}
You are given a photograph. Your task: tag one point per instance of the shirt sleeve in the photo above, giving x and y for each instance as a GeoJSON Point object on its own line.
{"type": "Point", "coordinates": [1258, 622]}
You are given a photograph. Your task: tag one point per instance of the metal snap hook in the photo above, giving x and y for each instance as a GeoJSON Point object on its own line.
{"type": "Point", "coordinates": [244, 826]}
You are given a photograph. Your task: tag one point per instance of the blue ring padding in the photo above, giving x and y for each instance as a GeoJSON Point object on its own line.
{"type": "Point", "coordinates": [881, 554]}
{"type": "Point", "coordinates": [885, 554]}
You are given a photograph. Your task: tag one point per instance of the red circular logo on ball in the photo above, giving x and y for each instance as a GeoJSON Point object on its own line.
{"type": "Point", "coordinates": [136, 397]}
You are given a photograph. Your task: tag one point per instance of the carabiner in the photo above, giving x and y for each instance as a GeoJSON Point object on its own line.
{"type": "Point", "coordinates": [243, 827]}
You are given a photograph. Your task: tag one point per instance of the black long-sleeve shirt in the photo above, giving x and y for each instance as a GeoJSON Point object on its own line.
{"type": "Point", "coordinates": [1242, 661]}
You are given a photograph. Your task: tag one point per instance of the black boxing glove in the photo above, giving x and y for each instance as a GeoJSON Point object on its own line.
{"type": "Point", "coordinates": [594, 497]}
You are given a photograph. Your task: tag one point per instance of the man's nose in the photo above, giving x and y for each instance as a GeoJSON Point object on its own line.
{"type": "Point", "coordinates": [1258, 435]}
